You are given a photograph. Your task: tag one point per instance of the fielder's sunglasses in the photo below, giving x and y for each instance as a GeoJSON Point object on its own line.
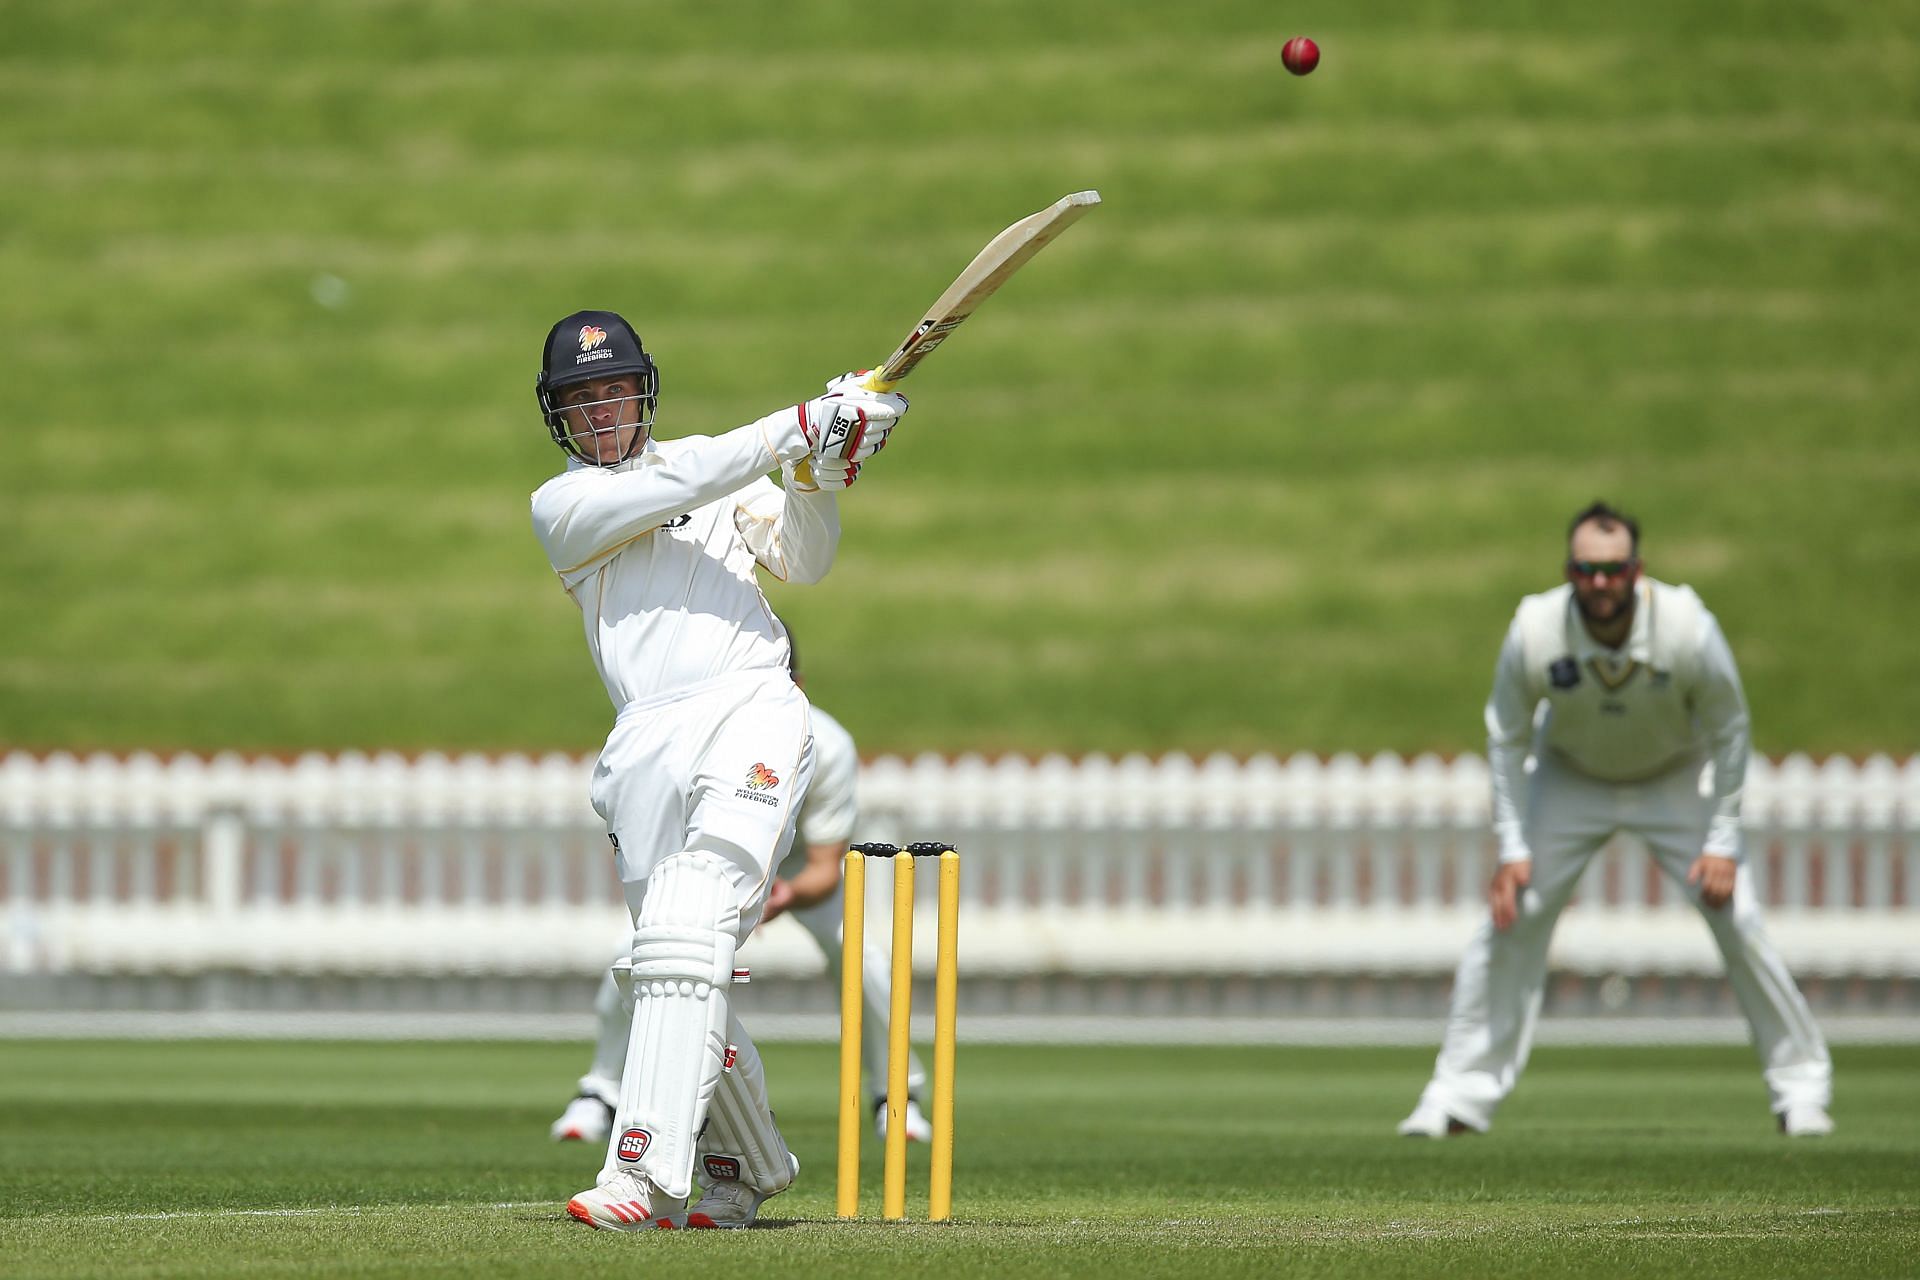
{"type": "Point", "coordinates": [1612, 568]}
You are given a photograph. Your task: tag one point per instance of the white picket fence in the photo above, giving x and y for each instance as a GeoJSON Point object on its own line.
{"type": "Point", "coordinates": [1134, 867]}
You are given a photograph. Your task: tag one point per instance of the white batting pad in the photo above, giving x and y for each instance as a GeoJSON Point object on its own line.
{"type": "Point", "coordinates": [741, 1142]}
{"type": "Point", "coordinates": [682, 964]}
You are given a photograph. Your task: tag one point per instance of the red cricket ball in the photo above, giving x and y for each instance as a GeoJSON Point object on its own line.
{"type": "Point", "coordinates": [1300, 55]}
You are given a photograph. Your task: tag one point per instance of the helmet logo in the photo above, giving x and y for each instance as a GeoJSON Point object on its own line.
{"type": "Point", "coordinates": [591, 336]}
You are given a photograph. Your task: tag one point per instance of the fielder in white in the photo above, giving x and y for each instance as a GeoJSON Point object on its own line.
{"type": "Point", "coordinates": [658, 544]}
{"type": "Point", "coordinates": [808, 886]}
{"type": "Point", "coordinates": [1625, 694]}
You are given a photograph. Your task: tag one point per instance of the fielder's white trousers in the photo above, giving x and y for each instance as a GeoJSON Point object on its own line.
{"type": "Point", "coordinates": [1498, 987]}
{"type": "Point", "coordinates": [824, 922]}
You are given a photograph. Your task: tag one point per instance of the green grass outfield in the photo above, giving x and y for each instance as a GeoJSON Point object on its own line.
{"type": "Point", "coordinates": [327, 1159]}
{"type": "Point", "coordinates": [1260, 456]}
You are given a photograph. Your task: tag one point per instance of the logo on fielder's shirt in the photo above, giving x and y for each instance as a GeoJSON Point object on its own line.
{"type": "Point", "coordinates": [723, 1168]}
{"type": "Point", "coordinates": [591, 336]}
{"type": "Point", "coordinates": [1564, 673]}
{"type": "Point", "coordinates": [633, 1145]}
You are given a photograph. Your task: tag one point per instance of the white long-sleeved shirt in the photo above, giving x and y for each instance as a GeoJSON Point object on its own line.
{"type": "Point", "coordinates": [1670, 696]}
{"type": "Point", "coordinates": [831, 809]}
{"type": "Point", "coordinates": [659, 554]}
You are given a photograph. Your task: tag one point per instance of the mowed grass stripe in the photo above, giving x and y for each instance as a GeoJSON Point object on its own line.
{"type": "Point", "coordinates": [1420, 137]}
{"type": "Point", "coordinates": [1218, 249]}
{"type": "Point", "coordinates": [1413, 64]}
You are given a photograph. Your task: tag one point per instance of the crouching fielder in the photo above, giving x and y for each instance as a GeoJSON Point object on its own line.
{"type": "Point", "coordinates": [657, 543]}
{"type": "Point", "coordinates": [1641, 696]}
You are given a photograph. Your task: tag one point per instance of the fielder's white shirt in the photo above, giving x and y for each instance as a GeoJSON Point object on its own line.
{"type": "Point", "coordinates": [659, 554]}
{"type": "Point", "coordinates": [1670, 696]}
{"type": "Point", "coordinates": [831, 808]}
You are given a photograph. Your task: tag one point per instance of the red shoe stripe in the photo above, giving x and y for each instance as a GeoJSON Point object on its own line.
{"type": "Point", "coordinates": [577, 1210]}
{"type": "Point", "coordinates": [701, 1220]}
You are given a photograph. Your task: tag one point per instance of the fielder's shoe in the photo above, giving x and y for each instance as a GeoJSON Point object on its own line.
{"type": "Point", "coordinates": [586, 1119]}
{"type": "Point", "coordinates": [728, 1204]}
{"type": "Point", "coordinates": [1806, 1121]}
{"type": "Point", "coordinates": [919, 1129]}
{"type": "Point", "coordinates": [627, 1201]}
{"type": "Point", "coordinates": [1430, 1120]}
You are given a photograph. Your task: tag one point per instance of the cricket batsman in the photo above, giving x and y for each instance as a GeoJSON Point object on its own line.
{"type": "Point", "coordinates": [1625, 693]}
{"type": "Point", "coordinates": [658, 542]}
{"type": "Point", "coordinates": [807, 885]}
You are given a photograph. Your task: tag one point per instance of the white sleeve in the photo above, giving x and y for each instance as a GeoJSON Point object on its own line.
{"type": "Point", "coordinates": [1721, 705]}
{"type": "Point", "coordinates": [828, 814]}
{"type": "Point", "coordinates": [792, 533]}
{"type": "Point", "coordinates": [585, 515]}
{"type": "Point", "coordinates": [1509, 716]}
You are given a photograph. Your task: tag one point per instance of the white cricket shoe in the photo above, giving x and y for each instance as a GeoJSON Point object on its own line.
{"type": "Point", "coordinates": [1806, 1121]}
{"type": "Point", "coordinates": [919, 1128]}
{"type": "Point", "coordinates": [1430, 1120]}
{"type": "Point", "coordinates": [728, 1204]}
{"type": "Point", "coordinates": [585, 1120]}
{"type": "Point", "coordinates": [628, 1201]}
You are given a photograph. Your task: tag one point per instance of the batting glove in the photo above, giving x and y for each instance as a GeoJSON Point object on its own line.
{"type": "Point", "coordinates": [832, 473]}
{"type": "Point", "coordinates": [849, 422]}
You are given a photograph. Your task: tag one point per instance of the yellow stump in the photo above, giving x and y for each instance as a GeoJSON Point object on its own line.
{"type": "Point", "coordinates": [853, 933]}
{"type": "Point", "coordinates": [945, 1015]}
{"type": "Point", "coordinates": [893, 1200]}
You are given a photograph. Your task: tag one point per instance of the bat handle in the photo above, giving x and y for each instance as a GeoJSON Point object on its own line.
{"type": "Point", "coordinates": [874, 382]}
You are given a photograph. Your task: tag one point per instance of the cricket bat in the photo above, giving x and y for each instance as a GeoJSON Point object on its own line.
{"type": "Point", "coordinates": [1005, 254]}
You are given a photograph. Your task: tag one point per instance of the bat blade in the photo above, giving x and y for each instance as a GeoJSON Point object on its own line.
{"type": "Point", "coordinates": [1005, 254]}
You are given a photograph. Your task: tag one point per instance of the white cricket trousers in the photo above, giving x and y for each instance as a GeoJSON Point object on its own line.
{"type": "Point", "coordinates": [719, 768]}
{"type": "Point", "coordinates": [1498, 987]}
{"type": "Point", "coordinates": [825, 923]}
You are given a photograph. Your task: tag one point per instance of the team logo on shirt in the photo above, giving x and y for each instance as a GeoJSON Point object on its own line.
{"type": "Point", "coordinates": [1564, 673]}
{"type": "Point", "coordinates": [633, 1145]}
{"type": "Point", "coordinates": [760, 780]}
{"type": "Point", "coordinates": [591, 336]}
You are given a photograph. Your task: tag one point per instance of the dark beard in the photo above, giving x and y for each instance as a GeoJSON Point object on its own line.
{"type": "Point", "coordinates": [1624, 615]}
